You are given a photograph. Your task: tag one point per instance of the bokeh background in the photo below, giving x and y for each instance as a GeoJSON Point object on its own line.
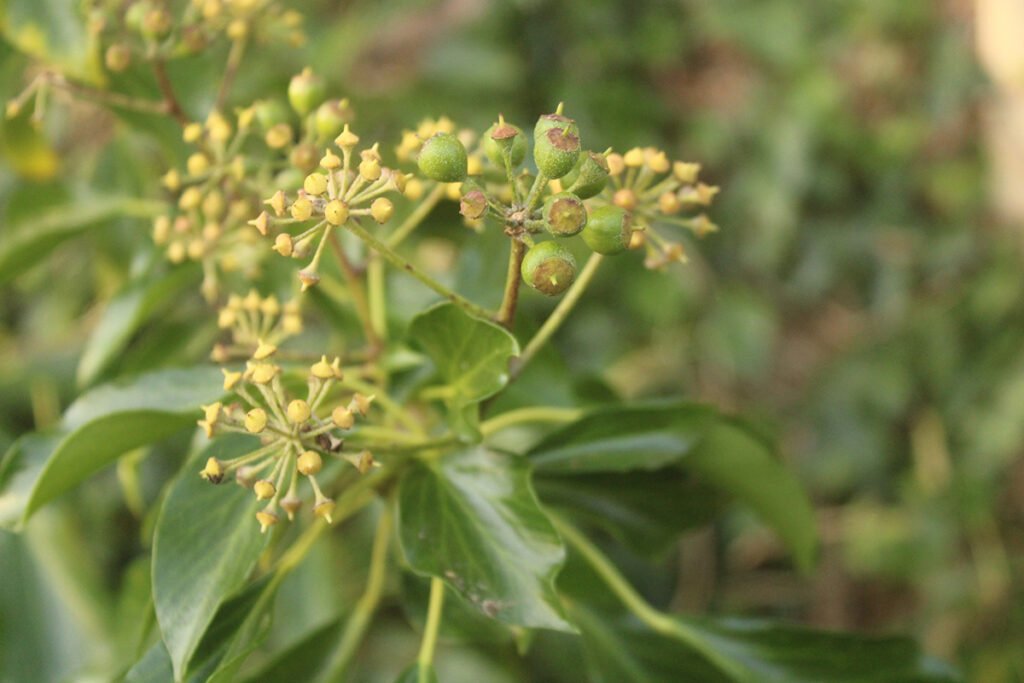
{"type": "Point", "coordinates": [863, 302]}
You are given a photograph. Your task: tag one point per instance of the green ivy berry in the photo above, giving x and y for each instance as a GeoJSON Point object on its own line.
{"type": "Point", "coordinates": [556, 152]}
{"type": "Point", "coordinates": [501, 137]}
{"type": "Point", "coordinates": [564, 214]}
{"type": "Point", "coordinates": [608, 230]}
{"type": "Point", "coordinates": [331, 117]}
{"type": "Point", "coordinates": [305, 91]}
{"type": "Point", "coordinates": [548, 121]}
{"type": "Point", "coordinates": [443, 158]}
{"type": "Point", "coordinates": [588, 177]}
{"type": "Point", "coordinates": [549, 268]}
{"type": "Point", "coordinates": [270, 113]}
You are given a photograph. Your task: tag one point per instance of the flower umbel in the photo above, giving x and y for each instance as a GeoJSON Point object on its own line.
{"type": "Point", "coordinates": [295, 442]}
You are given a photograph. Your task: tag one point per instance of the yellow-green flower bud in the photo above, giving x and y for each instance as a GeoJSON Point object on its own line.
{"type": "Point", "coordinates": [256, 421]}
{"type": "Point", "coordinates": [298, 411]}
{"type": "Point", "coordinates": [309, 463]}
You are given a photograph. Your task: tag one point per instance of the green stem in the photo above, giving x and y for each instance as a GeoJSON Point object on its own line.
{"type": "Point", "coordinates": [535, 191]}
{"type": "Point", "coordinates": [359, 620]}
{"type": "Point", "coordinates": [531, 414]}
{"type": "Point", "coordinates": [230, 71]}
{"type": "Point", "coordinates": [507, 312]}
{"type": "Point", "coordinates": [559, 315]}
{"type": "Point", "coordinates": [656, 620]}
{"type": "Point", "coordinates": [430, 630]}
{"type": "Point", "coordinates": [413, 220]}
{"type": "Point", "coordinates": [358, 292]}
{"type": "Point", "coordinates": [399, 262]}
{"type": "Point", "coordinates": [376, 297]}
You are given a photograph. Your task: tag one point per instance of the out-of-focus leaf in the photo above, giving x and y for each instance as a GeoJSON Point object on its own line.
{"type": "Point", "coordinates": [303, 661]}
{"type": "Point", "coordinates": [29, 241]}
{"type": "Point", "coordinates": [473, 520]}
{"type": "Point", "coordinates": [622, 650]}
{"type": "Point", "coordinates": [124, 314]}
{"type": "Point", "coordinates": [646, 510]}
{"type": "Point", "coordinates": [27, 151]}
{"type": "Point", "coordinates": [471, 357]}
{"type": "Point", "coordinates": [95, 430]}
{"type": "Point", "coordinates": [733, 460]}
{"type": "Point", "coordinates": [622, 438]}
{"type": "Point", "coordinates": [417, 674]}
{"type": "Point", "coordinates": [54, 32]}
{"type": "Point", "coordinates": [619, 439]}
{"type": "Point", "coordinates": [205, 546]}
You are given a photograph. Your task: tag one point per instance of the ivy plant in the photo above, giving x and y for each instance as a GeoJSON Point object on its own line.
{"type": "Point", "coordinates": [331, 418]}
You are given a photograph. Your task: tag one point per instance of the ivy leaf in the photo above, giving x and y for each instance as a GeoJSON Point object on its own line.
{"type": "Point", "coordinates": [473, 520]}
{"type": "Point", "coordinates": [622, 650]}
{"type": "Point", "coordinates": [29, 241]}
{"type": "Point", "coordinates": [733, 460]}
{"type": "Point", "coordinates": [100, 426]}
{"type": "Point", "coordinates": [645, 510]}
{"type": "Point", "coordinates": [623, 438]}
{"type": "Point", "coordinates": [471, 357]}
{"type": "Point", "coordinates": [124, 314]}
{"type": "Point", "coordinates": [721, 453]}
{"type": "Point", "coordinates": [155, 666]}
{"type": "Point", "coordinates": [205, 545]}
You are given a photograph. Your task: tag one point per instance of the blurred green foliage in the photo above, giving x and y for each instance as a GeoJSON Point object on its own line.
{"type": "Point", "coordinates": [859, 299]}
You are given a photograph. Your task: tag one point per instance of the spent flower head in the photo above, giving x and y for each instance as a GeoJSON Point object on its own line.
{"type": "Point", "coordinates": [296, 442]}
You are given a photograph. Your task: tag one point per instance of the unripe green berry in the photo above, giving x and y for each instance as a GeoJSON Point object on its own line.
{"type": "Point", "coordinates": [589, 177]}
{"type": "Point", "coordinates": [556, 152]}
{"type": "Point", "coordinates": [271, 113]}
{"type": "Point", "coordinates": [548, 121]}
{"type": "Point", "coordinates": [564, 214]}
{"type": "Point", "coordinates": [504, 138]}
{"type": "Point", "coordinates": [331, 117]}
{"type": "Point", "coordinates": [549, 268]}
{"type": "Point", "coordinates": [608, 230]}
{"type": "Point", "coordinates": [443, 158]}
{"type": "Point", "coordinates": [306, 91]}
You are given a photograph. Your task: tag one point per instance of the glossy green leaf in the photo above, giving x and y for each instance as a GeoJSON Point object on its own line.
{"type": "Point", "coordinates": [622, 438]}
{"type": "Point", "coordinates": [473, 520]}
{"type": "Point", "coordinates": [123, 315]}
{"type": "Point", "coordinates": [646, 510]}
{"type": "Point", "coordinates": [205, 546]}
{"type": "Point", "coordinates": [471, 357]}
{"type": "Point", "coordinates": [302, 661]}
{"type": "Point", "coordinates": [96, 429]}
{"type": "Point", "coordinates": [733, 460]}
{"type": "Point", "coordinates": [417, 674]}
{"type": "Point", "coordinates": [155, 665]}
{"type": "Point", "coordinates": [30, 241]}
